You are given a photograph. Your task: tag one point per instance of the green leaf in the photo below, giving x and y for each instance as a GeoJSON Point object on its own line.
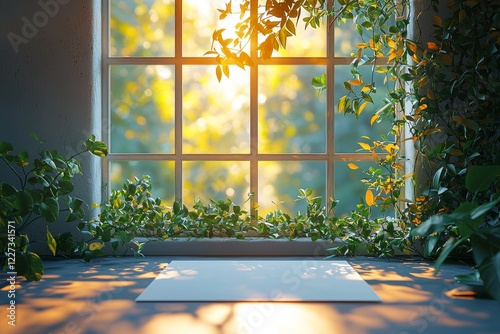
{"type": "Point", "coordinates": [66, 187]}
{"type": "Point", "coordinates": [482, 209]}
{"type": "Point", "coordinates": [51, 242]}
{"type": "Point", "coordinates": [49, 209]}
{"type": "Point", "coordinates": [462, 218]}
{"type": "Point", "coordinates": [432, 225]}
{"type": "Point", "coordinates": [124, 237]}
{"type": "Point", "coordinates": [97, 148]}
{"type": "Point", "coordinates": [29, 265]}
{"type": "Point", "coordinates": [480, 178]}
{"type": "Point", "coordinates": [473, 277]}
{"type": "Point", "coordinates": [490, 274]}
{"type": "Point", "coordinates": [34, 136]}
{"type": "Point", "coordinates": [23, 203]}
{"type": "Point", "coordinates": [430, 244]}
{"type": "Point", "coordinates": [5, 148]}
{"type": "Point", "coordinates": [485, 243]}
{"type": "Point", "coordinates": [448, 247]}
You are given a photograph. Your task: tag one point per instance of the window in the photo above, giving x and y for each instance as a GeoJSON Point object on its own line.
{"type": "Point", "coordinates": [264, 131]}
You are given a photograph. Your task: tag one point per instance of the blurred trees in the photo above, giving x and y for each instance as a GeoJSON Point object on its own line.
{"type": "Point", "coordinates": [216, 116]}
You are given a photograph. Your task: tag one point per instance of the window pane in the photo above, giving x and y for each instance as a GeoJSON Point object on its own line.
{"type": "Point", "coordinates": [161, 173]}
{"type": "Point", "coordinates": [280, 181]}
{"type": "Point", "coordinates": [292, 117]}
{"type": "Point", "coordinates": [349, 189]}
{"type": "Point", "coordinates": [346, 39]}
{"type": "Point", "coordinates": [199, 20]}
{"type": "Point", "coordinates": [142, 28]}
{"type": "Point", "coordinates": [142, 108]}
{"type": "Point", "coordinates": [217, 180]}
{"type": "Point", "coordinates": [348, 130]}
{"type": "Point", "coordinates": [310, 42]}
{"type": "Point", "coordinates": [216, 115]}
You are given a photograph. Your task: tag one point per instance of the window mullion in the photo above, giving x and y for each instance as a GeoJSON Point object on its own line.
{"type": "Point", "coordinates": [178, 101]}
{"type": "Point", "coordinates": [254, 116]}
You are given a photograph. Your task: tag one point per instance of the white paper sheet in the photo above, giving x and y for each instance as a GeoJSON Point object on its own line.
{"type": "Point", "coordinates": [261, 280]}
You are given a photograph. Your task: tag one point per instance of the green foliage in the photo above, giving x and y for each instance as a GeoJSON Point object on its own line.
{"type": "Point", "coordinates": [40, 191]}
{"type": "Point", "coordinates": [473, 220]}
{"type": "Point", "coordinates": [133, 212]}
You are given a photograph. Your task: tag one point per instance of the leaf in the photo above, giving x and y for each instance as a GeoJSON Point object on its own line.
{"type": "Point", "coordinates": [23, 202]}
{"type": "Point", "coordinates": [482, 209]}
{"type": "Point", "coordinates": [97, 148]}
{"type": "Point", "coordinates": [362, 107]}
{"type": "Point", "coordinates": [369, 197]}
{"type": "Point", "coordinates": [5, 148]}
{"type": "Point", "coordinates": [341, 104]}
{"type": "Point", "coordinates": [435, 224]}
{"type": "Point", "coordinates": [448, 247]}
{"type": "Point", "coordinates": [438, 22]}
{"type": "Point", "coordinates": [34, 136]}
{"type": "Point", "coordinates": [290, 26]}
{"type": "Point", "coordinates": [485, 243]}
{"type": "Point", "coordinates": [51, 242]}
{"type": "Point", "coordinates": [352, 166]}
{"type": "Point", "coordinates": [430, 244]}
{"type": "Point", "coordinates": [356, 82]}
{"type": "Point", "coordinates": [364, 146]}
{"type": "Point", "coordinates": [432, 46]}
{"type": "Point", "coordinates": [490, 274]}
{"type": "Point", "coordinates": [29, 265]}
{"type": "Point", "coordinates": [218, 72]}
{"type": "Point", "coordinates": [49, 209]}
{"type": "Point", "coordinates": [96, 246]}
{"type": "Point", "coordinates": [480, 178]}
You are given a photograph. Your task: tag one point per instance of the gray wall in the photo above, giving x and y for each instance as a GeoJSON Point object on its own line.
{"type": "Point", "coordinates": [50, 84]}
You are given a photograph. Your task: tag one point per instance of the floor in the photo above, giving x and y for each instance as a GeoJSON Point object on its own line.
{"type": "Point", "coordinates": [99, 297]}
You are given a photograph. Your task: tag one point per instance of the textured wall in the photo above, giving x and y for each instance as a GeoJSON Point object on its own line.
{"type": "Point", "coordinates": [50, 82]}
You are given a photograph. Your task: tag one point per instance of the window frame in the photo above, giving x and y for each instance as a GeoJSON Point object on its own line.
{"type": "Point", "coordinates": [330, 157]}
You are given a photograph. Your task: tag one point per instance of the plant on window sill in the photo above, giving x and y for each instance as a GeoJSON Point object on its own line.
{"type": "Point", "coordinates": [41, 191]}
{"type": "Point", "coordinates": [133, 212]}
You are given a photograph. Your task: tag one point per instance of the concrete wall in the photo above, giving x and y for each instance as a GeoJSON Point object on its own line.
{"type": "Point", "coordinates": [50, 84]}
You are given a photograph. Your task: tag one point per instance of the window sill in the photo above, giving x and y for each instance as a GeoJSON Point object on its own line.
{"type": "Point", "coordinates": [236, 247]}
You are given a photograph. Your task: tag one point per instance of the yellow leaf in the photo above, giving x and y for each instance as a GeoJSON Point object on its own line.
{"type": "Point", "coordinates": [352, 166]}
{"type": "Point", "coordinates": [218, 72]}
{"type": "Point", "coordinates": [361, 107]}
{"type": "Point", "coordinates": [366, 89]}
{"type": "Point", "coordinates": [225, 69]}
{"type": "Point", "coordinates": [437, 21]}
{"type": "Point", "coordinates": [365, 146]}
{"type": "Point", "coordinates": [411, 46]}
{"type": "Point", "coordinates": [341, 104]}
{"type": "Point", "coordinates": [446, 58]}
{"type": "Point", "coordinates": [355, 82]}
{"type": "Point", "coordinates": [369, 197]}
{"type": "Point", "coordinates": [373, 119]}
{"type": "Point", "coordinates": [96, 246]}
{"type": "Point", "coordinates": [361, 45]}
{"type": "Point", "coordinates": [430, 94]}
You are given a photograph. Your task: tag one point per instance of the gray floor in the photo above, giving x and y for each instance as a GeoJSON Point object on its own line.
{"type": "Point", "coordinates": [77, 297]}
